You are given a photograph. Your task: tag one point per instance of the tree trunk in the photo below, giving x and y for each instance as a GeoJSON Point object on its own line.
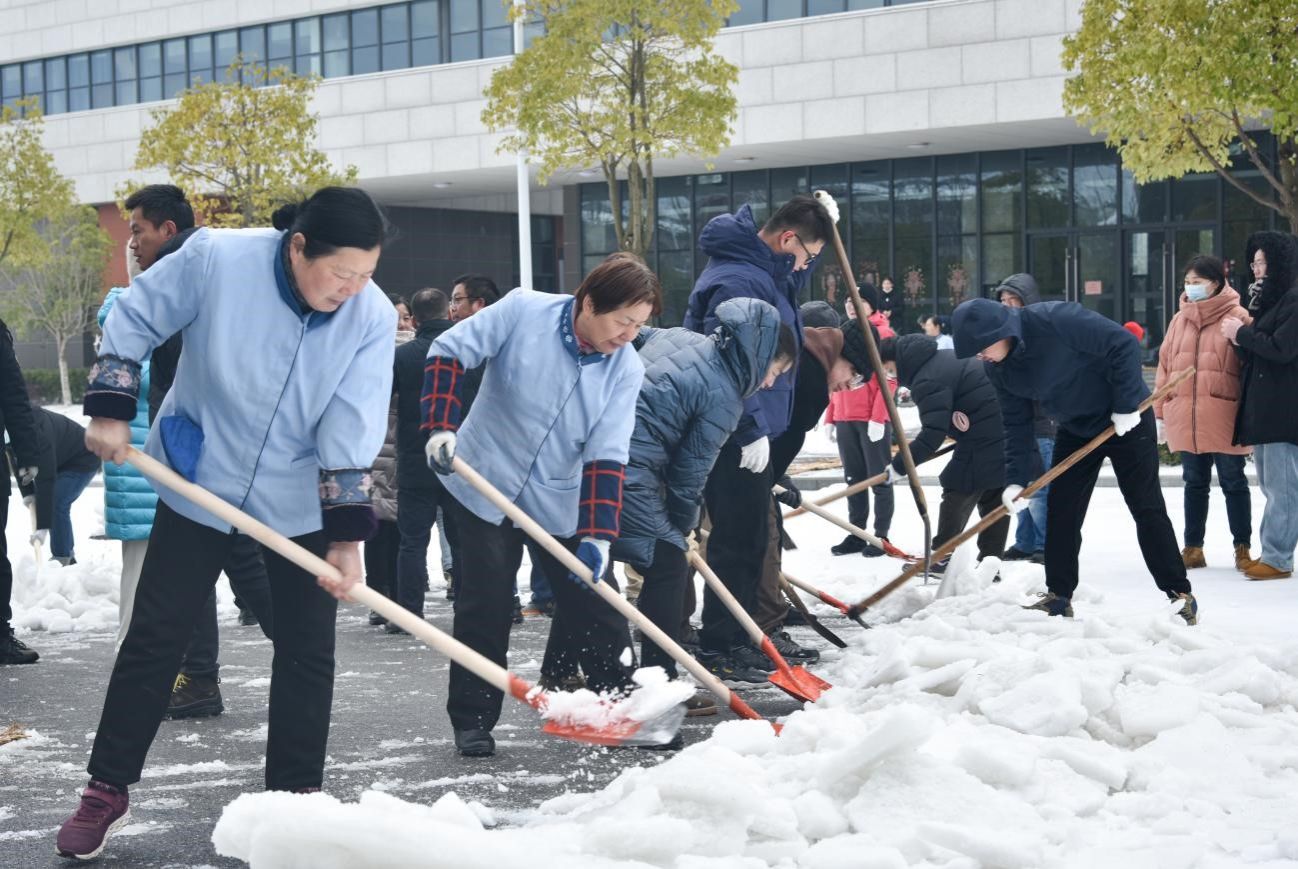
{"type": "Point", "coordinates": [1287, 154]}
{"type": "Point", "coordinates": [65, 388]}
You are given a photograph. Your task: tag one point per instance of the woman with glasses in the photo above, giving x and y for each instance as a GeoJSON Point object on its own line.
{"type": "Point", "coordinates": [1266, 420]}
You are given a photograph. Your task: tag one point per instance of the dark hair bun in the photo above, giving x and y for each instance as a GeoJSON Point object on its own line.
{"type": "Point", "coordinates": [285, 215]}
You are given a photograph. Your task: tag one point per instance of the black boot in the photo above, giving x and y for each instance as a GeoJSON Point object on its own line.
{"type": "Point", "coordinates": [851, 545]}
{"type": "Point", "coordinates": [475, 743]}
{"type": "Point", "coordinates": [14, 650]}
{"type": "Point", "coordinates": [195, 697]}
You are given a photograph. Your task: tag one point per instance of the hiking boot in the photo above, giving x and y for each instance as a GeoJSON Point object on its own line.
{"type": "Point", "coordinates": [1193, 557]}
{"type": "Point", "coordinates": [376, 619]}
{"type": "Point", "coordinates": [1189, 608]}
{"type": "Point", "coordinates": [748, 656]}
{"type": "Point", "coordinates": [702, 703]}
{"type": "Point", "coordinates": [14, 650]}
{"type": "Point", "coordinates": [851, 545]}
{"type": "Point", "coordinates": [517, 617]}
{"type": "Point", "coordinates": [194, 697]}
{"type": "Point", "coordinates": [248, 619]}
{"type": "Point", "coordinates": [689, 641]}
{"type": "Point", "coordinates": [104, 810]}
{"type": "Point", "coordinates": [1243, 558]}
{"type": "Point", "coordinates": [1261, 570]}
{"type": "Point", "coordinates": [475, 743]}
{"type": "Point", "coordinates": [791, 650]}
{"type": "Point", "coordinates": [1053, 605]}
{"type": "Point", "coordinates": [872, 551]}
{"type": "Point", "coordinates": [1015, 554]}
{"type": "Point", "coordinates": [726, 669]}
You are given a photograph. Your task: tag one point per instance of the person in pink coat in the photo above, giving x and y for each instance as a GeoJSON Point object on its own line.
{"type": "Point", "coordinates": [1198, 418]}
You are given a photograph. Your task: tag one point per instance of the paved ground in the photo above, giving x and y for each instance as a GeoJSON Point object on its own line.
{"type": "Point", "coordinates": [389, 731]}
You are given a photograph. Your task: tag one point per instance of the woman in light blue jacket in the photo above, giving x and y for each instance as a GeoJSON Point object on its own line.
{"type": "Point", "coordinates": [279, 407]}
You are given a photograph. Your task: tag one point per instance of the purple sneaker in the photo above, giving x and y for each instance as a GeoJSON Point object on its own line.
{"type": "Point", "coordinates": [103, 811]}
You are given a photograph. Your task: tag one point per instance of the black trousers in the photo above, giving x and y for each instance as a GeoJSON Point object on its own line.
{"type": "Point", "coordinates": [662, 596]}
{"type": "Point", "coordinates": [182, 565]}
{"type": "Point", "coordinates": [490, 556]}
{"type": "Point", "coordinates": [862, 459]}
{"type": "Point", "coordinates": [739, 504]}
{"type": "Point", "coordinates": [247, 574]}
{"type": "Point", "coordinates": [416, 514]}
{"type": "Point", "coordinates": [957, 507]}
{"type": "Point", "coordinates": [381, 558]}
{"type": "Point", "coordinates": [6, 569]}
{"type": "Point", "coordinates": [1135, 464]}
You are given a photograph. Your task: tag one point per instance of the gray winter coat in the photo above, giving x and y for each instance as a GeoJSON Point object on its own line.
{"type": "Point", "coordinates": [690, 403]}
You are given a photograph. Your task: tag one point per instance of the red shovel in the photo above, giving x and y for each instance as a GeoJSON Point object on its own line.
{"type": "Point", "coordinates": [615, 600]}
{"type": "Point", "coordinates": [860, 533]}
{"type": "Point", "coordinates": [794, 681]}
{"type": "Point", "coordinates": [826, 598]}
{"type": "Point", "coordinates": [609, 731]}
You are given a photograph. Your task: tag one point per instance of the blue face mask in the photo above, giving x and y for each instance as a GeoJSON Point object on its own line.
{"type": "Point", "coordinates": [1196, 292]}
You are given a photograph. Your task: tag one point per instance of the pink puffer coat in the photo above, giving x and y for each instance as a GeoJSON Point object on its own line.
{"type": "Point", "coordinates": [1200, 414]}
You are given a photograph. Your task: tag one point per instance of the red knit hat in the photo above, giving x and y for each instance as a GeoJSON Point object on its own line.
{"type": "Point", "coordinates": [1135, 328]}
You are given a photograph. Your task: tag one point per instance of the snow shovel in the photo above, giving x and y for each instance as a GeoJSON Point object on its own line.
{"type": "Point", "coordinates": [1028, 491]}
{"type": "Point", "coordinates": [887, 547]}
{"type": "Point", "coordinates": [605, 591]}
{"type": "Point", "coordinates": [794, 681]}
{"type": "Point", "coordinates": [856, 488]}
{"type": "Point", "coordinates": [625, 731]}
{"type": "Point", "coordinates": [791, 594]}
{"type": "Point", "coordinates": [825, 597]}
{"type": "Point", "coordinates": [36, 546]}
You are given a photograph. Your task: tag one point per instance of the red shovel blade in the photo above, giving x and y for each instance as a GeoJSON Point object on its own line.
{"type": "Point", "coordinates": [794, 681]}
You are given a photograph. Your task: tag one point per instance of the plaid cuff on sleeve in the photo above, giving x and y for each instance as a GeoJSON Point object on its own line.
{"type": "Point", "coordinates": [599, 513]}
{"type": "Point", "coordinates": [440, 403]}
{"type": "Point", "coordinates": [113, 389]}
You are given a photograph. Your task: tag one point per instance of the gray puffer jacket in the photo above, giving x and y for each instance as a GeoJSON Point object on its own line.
{"type": "Point", "coordinates": [690, 403]}
{"type": "Point", "coordinates": [384, 471]}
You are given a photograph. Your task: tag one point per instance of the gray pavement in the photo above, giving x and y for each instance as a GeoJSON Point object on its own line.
{"type": "Point", "coordinates": [389, 731]}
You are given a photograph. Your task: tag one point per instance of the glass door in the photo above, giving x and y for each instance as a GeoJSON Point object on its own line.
{"type": "Point", "coordinates": [1077, 267]}
{"type": "Point", "coordinates": [1050, 260]}
{"type": "Point", "coordinates": [1149, 285]}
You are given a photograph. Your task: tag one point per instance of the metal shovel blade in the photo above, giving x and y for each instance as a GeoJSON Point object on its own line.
{"type": "Point", "coordinates": [658, 730]}
{"type": "Point", "coordinates": [794, 681]}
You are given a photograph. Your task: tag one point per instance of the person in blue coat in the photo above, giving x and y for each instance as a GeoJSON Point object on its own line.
{"type": "Point", "coordinates": [772, 263]}
{"type": "Point", "coordinates": [279, 407]}
{"type": "Point", "coordinates": [1085, 370]}
{"type": "Point", "coordinates": [689, 405]}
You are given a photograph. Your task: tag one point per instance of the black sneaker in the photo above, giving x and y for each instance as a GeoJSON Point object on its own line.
{"type": "Point", "coordinates": [475, 743]}
{"type": "Point", "coordinates": [518, 611]}
{"type": "Point", "coordinates": [1038, 557]}
{"type": "Point", "coordinates": [938, 568]}
{"type": "Point", "coordinates": [14, 650]}
{"type": "Point", "coordinates": [1053, 605]}
{"type": "Point", "coordinates": [194, 697]}
{"type": "Point", "coordinates": [747, 656]}
{"type": "Point", "coordinates": [791, 650]}
{"type": "Point", "coordinates": [851, 545]}
{"type": "Point", "coordinates": [872, 551]}
{"type": "Point", "coordinates": [1015, 554]}
{"type": "Point", "coordinates": [376, 619]}
{"type": "Point", "coordinates": [394, 628]}
{"type": "Point", "coordinates": [248, 618]}
{"type": "Point", "coordinates": [726, 669]}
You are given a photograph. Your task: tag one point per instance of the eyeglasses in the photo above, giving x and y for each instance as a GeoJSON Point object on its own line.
{"type": "Point", "coordinates": [456, 301]}
{"type": "Point", "coordinates": [811, 257]}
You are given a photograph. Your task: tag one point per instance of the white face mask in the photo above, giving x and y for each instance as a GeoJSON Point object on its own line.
{"type": "Point", "coordinates": [1196, 292]}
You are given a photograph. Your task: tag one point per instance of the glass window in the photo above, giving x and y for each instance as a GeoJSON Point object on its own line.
{"type": "Point", "coordinates": [307, 34]}
{"type": "Point", "coordinates": [365, 28]}
{"type": "Point", "coordinates": [778, 10]}
{"type": "Point", "coordinates": [78, 82]}
{"type": "Point", "coordinates": [1002, 186]}
{"type": "Point", "coordinates": [865, 4]}
{"type": "Point", "coordinates": [395, 28]}
{"type": "Point", "coordinates": [786, 183]}
{"type": "Point", "coordinates": [200, 59]}
{"type": "Point", "coordinates": [674, 230]}
{"type": "Point", "coordinates": [1238, 205]}
{"type": "Point", "coordinates": [1047, 186]}
{"type": "Point", "coordinates": [11, 84]}
{"type": "Point", "coordinates": [871, 221]}
{"type": "Point", "coordinates": [101, 79]}
{"type": "Point", "coordinates": [1002, 257]}
{"type": "Point", "coordinates": [912, 190]}
{"type": "Point", "coordinates": [1095, 186]}
{"type": "Point", "coordinates": [33, 78]}
{"type": "Point", "coordinates": [749, 12]}
{"type": "Point", "coordinates": [124, 69]}
{"type": "Point", "coordinates": [825, 7]}
{"type": "Point", "coordinates": [494, 14]}
{"type": "Point", "coordinates": [676, 272]}
{"type": "Point", "coordinates": [1143, 203]}
{"type": "Point", "coordinates": [711, 198]}
{"type": "Point", "coordinates": [750, 188]}
{"type": "Point", "coordinates": [56, 85]}
{"type": "Point", "coordinates": [597, 234]}
{"type": "Point", "coordinates": [279, 44]}
{"type": "Point", "coordinates": [914, 275]}
{"type": "Point", "coordinates": [337, 41]}
{"type": "Point", "coordinates": [150, 60]}
{"type": "Point", "coordinates": [1194, 197]}
{"type": "Point", "coordinates": [173, 66]}
{"type": "Point", "coordinates": [465, 37]}
{"type": "Point", "coordinates": [425, 49]}
{"type": "Point", "coordinates": [957, 271]}
{"type": "Point", "coordinates": [498, 42]}
{"type": "Point", "coordinates": [225, 46]}
{"type": "Point", "coordinates": [252, 44]}
{"type": "Point", "coordinates": [957, 194]}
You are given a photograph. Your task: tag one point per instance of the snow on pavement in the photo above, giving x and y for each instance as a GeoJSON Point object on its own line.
{"type": "Point", "coordinates": [961, 732]}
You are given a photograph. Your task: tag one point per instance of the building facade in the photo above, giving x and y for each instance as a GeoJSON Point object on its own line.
{"type": "Point", "coordinates": [937, 123]}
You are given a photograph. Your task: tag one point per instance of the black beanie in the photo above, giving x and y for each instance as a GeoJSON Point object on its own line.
{"type": "Point", "coordinates": [870, 296]}
{"type": "Point", "coordinates": [854, 349]}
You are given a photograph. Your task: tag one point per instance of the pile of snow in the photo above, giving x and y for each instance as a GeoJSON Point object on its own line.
{"type": "Point", "coordinates": [58, 599]}
{"type": "Point", "coordinates": [652, 712]}
{"type": "Point", "coordinates": [974, 733]}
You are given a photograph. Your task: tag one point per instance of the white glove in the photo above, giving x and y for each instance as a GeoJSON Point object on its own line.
{"type": "Point", "coordinates": [1125, 422]}
{"type": "Point", "coordinates": [26, 475]}
{"type": "Point", "coordinates": [756, 455]}
{"type": "Point", "coordinates": [874, 431]}
{"type": "Point", "coordinates": [440, 451]}
{"type": "Point", "coordinates": [1162, 431]}
{"type": "Point", "coordinates": [29, 500]}
{"type": "Point", "coordinates": [893, 476]}
{"type": "Point", "coordinates": [831, 432]}
{"type": "Point", "coordinates": [1010, 498]}
{"type": "Point", "coordinates": [39, 537]}
{"type": "Point", "coordinates": [902, 395]}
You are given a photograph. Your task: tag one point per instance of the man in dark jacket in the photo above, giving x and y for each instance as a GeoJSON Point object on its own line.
{"type": "Point", "coordinates": [17, 420]}
{"type": "Point", "coordinates": [66, 467]}
{"type": "Point", "coordinates": [1019, 291]}
{"type": "Point", "coordinates": [772, 264]}
{"type": "Point", "coordinates": [419, 491]}
{"type": "Point", "coordinates": [1085, 370]}
{"type": "Point", "coordinates": [956, 400]}
{"type": "Point", "coordinates": [1269, 376]}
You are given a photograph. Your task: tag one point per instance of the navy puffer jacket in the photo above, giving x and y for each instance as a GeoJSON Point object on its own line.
{"type": "Point", "coordinates": [692, 398]}
{"type": "Point", "coordinates": [740, 266]}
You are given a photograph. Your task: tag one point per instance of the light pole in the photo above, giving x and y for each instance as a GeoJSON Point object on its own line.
{"type": "Point", "coordinates": [524, 189]}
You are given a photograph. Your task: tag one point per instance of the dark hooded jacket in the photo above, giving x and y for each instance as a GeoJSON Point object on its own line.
{"type": "Point", "coordinates": [1082, 367]}
{"type": "Point", "coordinates": [740, 265]}
{"type": "Point", "coordinates": [408, 384]}
{"type": "Point", "coordinates": [955, 400]}
{"type": "Point", "coordinates": [690, 402]}
{"type": "Point", "coordinates": [1269, 347]}
{"type": "Point", "coordinates": [1024, 286]}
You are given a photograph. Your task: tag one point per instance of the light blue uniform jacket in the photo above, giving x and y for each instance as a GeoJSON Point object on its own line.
{"type": "Point", "coordinates": [279, 395]}
{"type": "Point", "coordinates": [543, 410]}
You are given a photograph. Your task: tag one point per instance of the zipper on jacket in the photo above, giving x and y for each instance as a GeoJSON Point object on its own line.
{"type": "Point", "coordinates": [1194, 393]}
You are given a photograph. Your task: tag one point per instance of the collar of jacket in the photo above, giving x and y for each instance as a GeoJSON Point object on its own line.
{"type": "Point", "coordinates": [567, 331]}
{"type": "Point", "coordinates": [289, 292]}
{"type": "Point", "coordinates": [433, 328]}
{"type": "Point", "coordinates": [1211, 309]}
